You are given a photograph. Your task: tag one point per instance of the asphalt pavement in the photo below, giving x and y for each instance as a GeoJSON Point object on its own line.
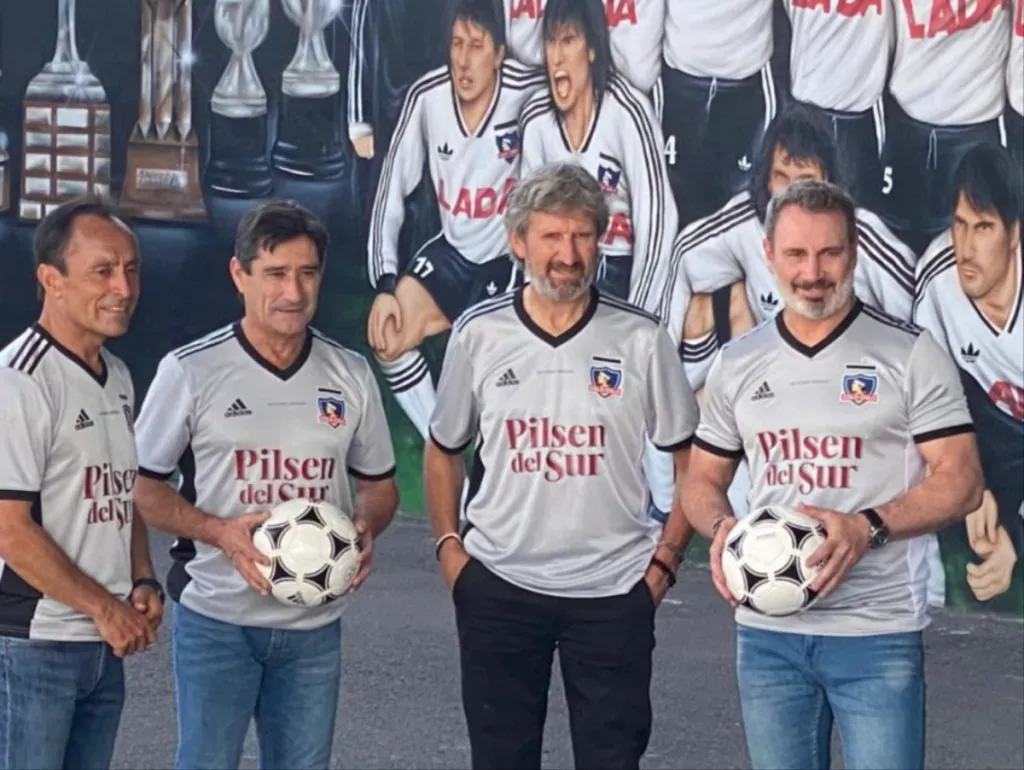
{"type": "Point", "coordinates": [400, 687]}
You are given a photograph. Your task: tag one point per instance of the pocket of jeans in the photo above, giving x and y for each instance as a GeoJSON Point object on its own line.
{"type": "Point", "coordinates": [460, 579]}
{"type": "Point", "coordinates": [645, 589]}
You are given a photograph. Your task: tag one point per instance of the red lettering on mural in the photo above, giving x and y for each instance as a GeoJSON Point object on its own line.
{"type": "Point", "coordinates": [848, 8]}
{"type": "Point", "coordinates": [619, 11]}
{"type": "Point", "coordinates": [945, 19]}
{"type": "Point", "coordinates": [1018, 21]}
{"type": "Point", "coordinates": [1009, 396]}
{"type": "Point", "coordinates": [476, 203]}
{"type": "Point", "coordinates": [556, 451]}
{"type": "Point", "coordinates": [619, 226]}
{"type": "Point", "coordinates": [531, 9]}
{"type": "Point", "coordinates": [809, 462]}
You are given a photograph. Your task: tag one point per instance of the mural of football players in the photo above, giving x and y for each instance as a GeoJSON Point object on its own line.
{"type": "Point", "coordinates": [970, 297]}
{"type": "Point", "coordinates": [717, 97]}
{"type": "Point", "coordinates": [460, 120]}
{"type": "Point", "coordinates": [839, 60]}
{"type": "Point", "coordinates": [1014, 115]}
{"type": "Point", "coordinates": [592, 116]}
{"type": "Point", "coordinates": [948, 88]}
{"type": "Point", "coordinates": [635, 29]}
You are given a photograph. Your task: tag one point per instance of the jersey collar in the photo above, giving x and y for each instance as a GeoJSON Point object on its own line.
{"type": "Point", "coordinates": [810, 351]}
{"type": "Point", "coordinates": [283, 374]}
{"type": "Point", "coordinates": [552, 339]}
{"type": "Point", "coordinates": [100, 378]}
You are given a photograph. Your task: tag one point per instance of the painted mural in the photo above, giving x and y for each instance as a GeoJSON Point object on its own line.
{"type": "Point", "coordinates": [404, 123]}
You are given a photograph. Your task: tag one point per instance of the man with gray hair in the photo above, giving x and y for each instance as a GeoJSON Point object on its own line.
{"type": "Point", "coordinates": [859, 421]}
{"type": "Point", "coordinates": [563, 386]}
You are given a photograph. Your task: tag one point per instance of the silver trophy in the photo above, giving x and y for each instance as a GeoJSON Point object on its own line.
{"type": "Point", "coordinates": [162, 169]}
{"type": "Point", "coordinates": [66, 128]}
{"type": "Point", "coordinates": [238, 133]}
{"type": "Point", "coordinates": [310, 141]}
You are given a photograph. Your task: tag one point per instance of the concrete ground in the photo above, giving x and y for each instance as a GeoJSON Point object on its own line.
{"type": "Point", "coordinates": [401, 705]}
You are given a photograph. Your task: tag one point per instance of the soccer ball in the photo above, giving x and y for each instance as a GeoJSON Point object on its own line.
{"type": "Point", "coordinates": [313, 550]}
{"type": "Point", "coordinates": [765, 560]}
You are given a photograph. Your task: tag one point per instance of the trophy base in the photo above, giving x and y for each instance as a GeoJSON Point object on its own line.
{"type": "Point", "coordinates": [310, 142]}
{"type": "Point", "coordinates": [238, 166]}
{"type": "Point", "coordinates": [71, 81]}
{"type": "Point", "coordinates": [161, 181]}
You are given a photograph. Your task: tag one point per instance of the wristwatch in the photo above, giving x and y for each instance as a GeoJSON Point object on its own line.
{"type": "Point", "coordinates": [151, 583]}
{"type": "Point", "coordinates": [878, 535]}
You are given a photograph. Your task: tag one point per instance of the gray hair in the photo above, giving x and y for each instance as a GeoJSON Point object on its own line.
{"type": "Point", "coordinates": [817, 198]}
{"type": "Point", "coordinates": [557, 188]}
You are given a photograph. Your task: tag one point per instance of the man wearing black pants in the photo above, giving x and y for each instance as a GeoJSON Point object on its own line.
{"type": "Point", "coordinates": [564, 386]}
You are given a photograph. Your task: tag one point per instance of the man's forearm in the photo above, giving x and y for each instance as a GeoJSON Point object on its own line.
{"type": "Point", "coordinates": [677, 530]}
{"type": "Point", "coordinates": [376, 504]}
{"type": "Point", "coordinates": [142, 562]}
{"type": "Point", "coordinates": [442, 475]}
{"type": "Point", "coordinates": [703, 503]}
{"type": "Point", "coordinates": [941, 499]}
{"type": "Point", "coordinates": [29, 551]}
{"type": "Point", "coordinates": [163, 508]}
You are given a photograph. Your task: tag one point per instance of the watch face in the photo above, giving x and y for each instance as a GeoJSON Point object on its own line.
{"type": "Point", "coordinates": [879, 537]}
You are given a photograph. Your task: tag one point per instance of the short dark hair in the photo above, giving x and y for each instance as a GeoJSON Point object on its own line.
{"type": "Point", "coordinates": [270, 224]}
{"type": "Point", "coordinates": [482, 13]}
{"type": "Point", "coordinates": [805, 134]}
{"type": "Point", "coordinates": [53, 233]}
{"type": "Point", "coordinates": [589, 17]}
{"type": "Point", "coordinates": [990, 179]}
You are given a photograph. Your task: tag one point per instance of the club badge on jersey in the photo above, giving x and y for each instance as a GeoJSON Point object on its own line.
{"type": "Point", "coordinates": [860, 385]}
{"type": "Point", "coordinates": [605, 380]}
{"type": "Point", "coordinates": [506, 137]}
{"type": "Point", "coordinates": [331, 411]}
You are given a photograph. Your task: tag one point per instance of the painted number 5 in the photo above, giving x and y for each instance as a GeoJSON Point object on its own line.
{"type": "Point", "coordinates": [422, 267]}
{"type": "Point", "coordinates": [887, 180]}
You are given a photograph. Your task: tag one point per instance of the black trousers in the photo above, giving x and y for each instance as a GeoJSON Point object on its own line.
{"type": "Point", "coordinates": [1014, 133]}
{"type": "Point", "coordinates": [507, 641]}
{"type": "Point", "coordinates": [857, 135]}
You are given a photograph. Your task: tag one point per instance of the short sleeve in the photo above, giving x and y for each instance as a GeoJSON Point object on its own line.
{"type": "Point", "coordinates": [371, 455]}
{"type": "Point", "coordinates": [163, 430]}
{"type": "Point", "coordinates": [671, 409]}
{"type": "Point", "coordinates": [717, 432]}
{"type": "Point", "coordinates": [456, 415]}
{"type": "Point", "coordinates": [26, 430]}
{"type": "Point", "coordinates": [935, 396]}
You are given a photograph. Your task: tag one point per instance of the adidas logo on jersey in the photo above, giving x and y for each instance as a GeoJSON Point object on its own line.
{"type": "Point", "coordinates": [744, 164]}
{"type": "Point", "coordinates": [970, 353]}
{"type": "Point", "coordinates": [508, 378]}
{"type": "Point", "coordinates": [237, 409]}
{"type": "Point", "coordinates": [83, 421]}
{"type": "Point", "coordinates": [762, 392]}
{"type": "Point", "coordinates": [444, 152]}
{"type": "Point", "coordinates": [768, 301]}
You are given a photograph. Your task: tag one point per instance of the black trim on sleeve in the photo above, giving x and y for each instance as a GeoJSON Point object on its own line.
{"type": "Point", "coordinates": [684, 444]}
{"type": "Point", "coordinates": [18, 494]}
{"type": "Point", "coordinates": [150, 474]}
{"type": "Point", "coordinates": [447, 449]}
{"type": "Point", "coordinates": [363, 476]}
{"type": "Point", "coordinates": [730, 454]}
{"type": "Point", "coordinates": [953, 430]}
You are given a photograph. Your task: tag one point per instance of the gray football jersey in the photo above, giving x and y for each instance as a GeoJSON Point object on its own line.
{"type": "Point", "coordinates": [248, 436]}
{"type": "Point", "coordinates": [836, 426]}
{"type": "Point", "coordinates": [558, 498]}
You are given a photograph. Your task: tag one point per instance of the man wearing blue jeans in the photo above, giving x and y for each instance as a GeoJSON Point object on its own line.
{"type": "Point", "coordinates": [859, 421]}
{"type": "Point", "coordinates": [264, 410]}
{"type": "Point", "coordinates": [77, 592]}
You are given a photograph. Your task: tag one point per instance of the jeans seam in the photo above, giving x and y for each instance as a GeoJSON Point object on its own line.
{"type": "Point", "coordinates": [817, 729]}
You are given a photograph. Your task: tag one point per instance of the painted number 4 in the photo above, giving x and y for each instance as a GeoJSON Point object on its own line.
{"type": "Point", "coordinates": [422, 267]}
{"type": "Point", "coordinates": [670, 149]}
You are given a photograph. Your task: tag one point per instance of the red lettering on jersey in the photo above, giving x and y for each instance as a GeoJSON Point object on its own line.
{"type": "Point", "coordinates": [620, 226]}
{"type": "Point", "coordinates": [539, 445]}
{"type": "Point", "coordinates": [531, 9]}
{"type": "Point", "coordinates": [110, 490]}
{"type": "Point", "coordinates": [478, 203]}
{"type": "Point", "coordinates": [945, 19]}
{"type": "Point", "coordinates": [808, 462]}
{"type": "Point", "coordinates": [1018, 22]}
{"type": "Point", "coordinates": [1007, 395]}
{"type": "Point", "coordinates": [618, 11]}
{"type": "Point", "coordinates": [269, 476]}
{"type": "Point", "coordinates": [848, 8]}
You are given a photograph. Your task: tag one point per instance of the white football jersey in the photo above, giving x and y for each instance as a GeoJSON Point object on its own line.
{"type": "Point", "coordinates": [950, 62]}
{"type": "Point", "coordinates": [635, 28]}
{"type": "Point", "coordinates": [727, 39]}
{"type": "Point", "coordinates": [728, 246]}
{"type": "Point", "coordinates": [839, 56]}
{"type": "Point", "coordinates": [472, 172]}
{"type": "Point", "coordinates": [1015, 62]}
{"type": "Point", "coordinates": [66, 446]}
{"type": "Point", "coordinates": [994, 357]}
{"type": "Point", "coordinates": [253, 436]}
{"type": "Point", "coordinates": [624, 150]}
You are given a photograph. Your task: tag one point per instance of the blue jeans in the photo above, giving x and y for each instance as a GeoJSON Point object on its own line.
{"type": "Point", "coordinates": [60, 704]}
{"type": "Point", "coordinates": [226, 675]}
{"type": "Point", "coordinates": [792, 687]}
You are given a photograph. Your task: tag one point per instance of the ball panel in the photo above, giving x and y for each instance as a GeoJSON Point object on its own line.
{"type": "Point", "coordinates": [734, 577]}
{"type": "Point", "coordinates": [778, 597]}
{"type": "Point", "coordinates": [767, 548]}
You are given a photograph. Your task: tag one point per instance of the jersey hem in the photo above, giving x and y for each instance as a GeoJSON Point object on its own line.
{"type": "Point", "coordinates": [446, 448]}
{"type": "Point", "coordinates": [19, 494]}
{"type": "Point", "coordinates": [151, 474]}
{"type": "Point", "coordinates": [707, 446]}
{"type": "Point", "coordinates": [795, 626]}
{"type": "Point", "coordinates": [953, 430]}
{"type": "Point", "coordinates": [684, 444]}
{"type": "Point", "coordinates": [364, 476]}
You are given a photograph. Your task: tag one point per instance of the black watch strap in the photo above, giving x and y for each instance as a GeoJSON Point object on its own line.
{"type": "Point", "coordinates": [151, 583]}
{"type": "Point", "coordinates": [879, 533]}
{"type": "Point", "coordinates": [874, 518]}
{"type": "Point", "coordinates": [387, 283]}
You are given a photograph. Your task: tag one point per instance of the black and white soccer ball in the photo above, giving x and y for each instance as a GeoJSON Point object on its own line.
{"type": "Point", "coordinates": [313, 550]}
{"type": "Point", "coordinates": [765, 560]}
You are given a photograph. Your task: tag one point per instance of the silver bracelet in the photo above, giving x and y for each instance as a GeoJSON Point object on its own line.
{"type": "Point", "coordinates": [441, 541]}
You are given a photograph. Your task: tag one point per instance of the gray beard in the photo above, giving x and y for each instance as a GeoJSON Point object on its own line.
{"type": "Point", "coordinates": [568, 292]}
{"type": "Point", "coordinates": [818, 311]}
